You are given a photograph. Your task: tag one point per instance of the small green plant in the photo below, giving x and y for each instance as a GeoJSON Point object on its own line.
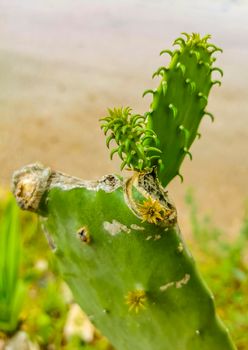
{"type": "Point", "coordinates": [12, 288]}
{"type": "Point", "coordinates": [117, 241]}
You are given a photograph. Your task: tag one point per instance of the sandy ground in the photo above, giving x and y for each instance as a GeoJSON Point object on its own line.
{"type": "Point", "coordinates": [63, 63]}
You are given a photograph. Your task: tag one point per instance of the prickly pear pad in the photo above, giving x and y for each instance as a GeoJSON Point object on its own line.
{"type": "Point", "coordinates": [135, 279]}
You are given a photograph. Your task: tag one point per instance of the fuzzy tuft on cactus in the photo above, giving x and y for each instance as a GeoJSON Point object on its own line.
{"type": "Point", "coordinates": [136, 300]}
{"type": "Point", "coordinates": [117, 241]}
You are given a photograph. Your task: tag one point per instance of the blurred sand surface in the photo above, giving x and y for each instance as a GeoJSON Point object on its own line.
{"type": "Point", "coordinates": [62, 63]}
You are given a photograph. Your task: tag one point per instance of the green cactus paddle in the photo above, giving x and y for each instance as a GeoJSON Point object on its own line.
{"type": "Point", "coordinates": [116, 240]}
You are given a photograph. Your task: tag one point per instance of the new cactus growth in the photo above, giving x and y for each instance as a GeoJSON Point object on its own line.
{"type": "Point", "coordinates": [162, 137]}
{"type": "Point", "coordinates": [116, 240]}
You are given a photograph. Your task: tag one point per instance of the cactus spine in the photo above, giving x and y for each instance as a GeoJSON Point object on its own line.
{"type": "Point", "coordinates": [117, 241]}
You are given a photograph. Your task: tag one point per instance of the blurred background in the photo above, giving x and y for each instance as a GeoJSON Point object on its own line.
{"type": "Point", "coordinates": [62, 63]}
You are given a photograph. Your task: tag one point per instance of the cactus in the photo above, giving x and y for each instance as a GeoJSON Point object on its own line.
{"type": "Point", "coordinates": [117, 241]}
{"type": "Point", "coordinates": [176, 111]}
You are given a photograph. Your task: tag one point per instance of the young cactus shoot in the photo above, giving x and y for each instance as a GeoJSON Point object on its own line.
{"type": "Point", "coordinates": [116, 240]}
{"type": "Point", "coordinates": [162, 137]}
